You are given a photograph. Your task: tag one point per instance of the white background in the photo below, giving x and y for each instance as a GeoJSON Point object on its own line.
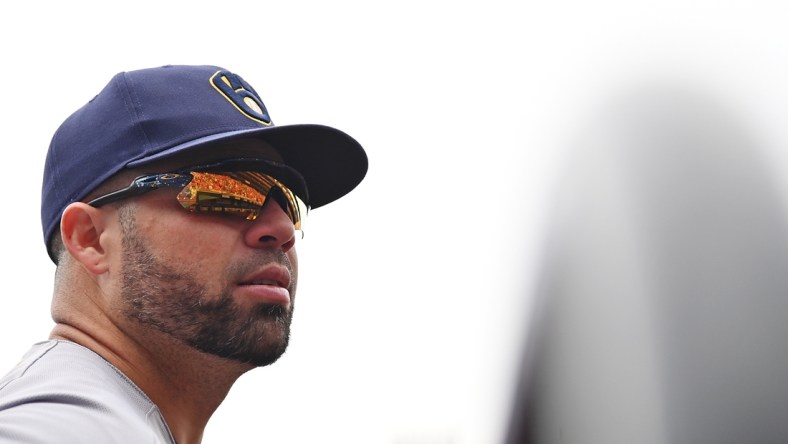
{"type": "Point", "coordinates": [415, 287]}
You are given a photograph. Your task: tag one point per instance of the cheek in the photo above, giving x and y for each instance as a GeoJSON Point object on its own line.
{"type": "Point", "coordinates": [179, 236]}
{"type": "Point", "coordinates": [293, 257]}
{"type": "Point", "coordinates": [294, 263]}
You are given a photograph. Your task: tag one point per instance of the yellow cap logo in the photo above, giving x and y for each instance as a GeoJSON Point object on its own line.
{"type": "Point", "coordinates": [241, 95]}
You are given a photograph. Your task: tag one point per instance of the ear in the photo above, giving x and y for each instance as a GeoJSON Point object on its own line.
{"type": "Point", "coordinates": [81, 227]}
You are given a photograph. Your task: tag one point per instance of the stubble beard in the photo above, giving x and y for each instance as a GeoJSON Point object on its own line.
{"type": "Point", "coordinates": [176, 303]}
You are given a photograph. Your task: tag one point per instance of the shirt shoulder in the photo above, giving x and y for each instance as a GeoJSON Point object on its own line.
{"type": "Point", "coordinates": [63, 392]}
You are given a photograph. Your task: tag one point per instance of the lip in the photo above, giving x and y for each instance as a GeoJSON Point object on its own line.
{"type": "Point", "coordinates": [269, 285]}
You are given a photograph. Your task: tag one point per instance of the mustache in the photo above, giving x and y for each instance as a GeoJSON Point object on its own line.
{"type": "Point", "coordinates": [256, 260]}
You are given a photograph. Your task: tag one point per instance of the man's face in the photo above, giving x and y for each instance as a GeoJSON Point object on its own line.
{"type": "Point", "coordinates": [216, 283]}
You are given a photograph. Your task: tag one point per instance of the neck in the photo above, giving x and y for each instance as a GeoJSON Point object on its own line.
{"type": "Point", "coordinates": [185, 384]}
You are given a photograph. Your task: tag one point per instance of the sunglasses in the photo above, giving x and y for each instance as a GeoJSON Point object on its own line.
{"type": "Point", "coordinates": [240, 194]}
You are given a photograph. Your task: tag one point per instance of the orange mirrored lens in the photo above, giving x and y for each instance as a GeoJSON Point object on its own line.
{"type": "Point", "coordinates": [238, 193]}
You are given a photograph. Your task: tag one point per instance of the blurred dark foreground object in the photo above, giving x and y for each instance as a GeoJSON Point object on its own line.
{"type": "Point", "coordinates": [662, 313]}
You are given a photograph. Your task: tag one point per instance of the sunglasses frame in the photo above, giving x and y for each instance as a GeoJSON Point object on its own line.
{"type": "Point", "coordinates": [182, 178]}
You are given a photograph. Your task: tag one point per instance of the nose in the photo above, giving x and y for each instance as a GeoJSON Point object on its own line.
{"type": "Point", "coordinates": [271, 229]}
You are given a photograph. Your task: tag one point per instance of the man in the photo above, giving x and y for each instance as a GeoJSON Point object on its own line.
{"type": "Point", "coordinates": [171, 205]}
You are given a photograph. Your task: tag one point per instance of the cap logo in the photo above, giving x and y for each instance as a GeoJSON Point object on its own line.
{"type": "Point", "coordinates": [241, 95]}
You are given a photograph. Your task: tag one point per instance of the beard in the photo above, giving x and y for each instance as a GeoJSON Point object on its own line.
{"type": "Point", "coordinates": [175, 303]}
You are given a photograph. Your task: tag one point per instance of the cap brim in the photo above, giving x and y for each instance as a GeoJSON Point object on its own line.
{"type": "Point", "coordinates": [331, 162]}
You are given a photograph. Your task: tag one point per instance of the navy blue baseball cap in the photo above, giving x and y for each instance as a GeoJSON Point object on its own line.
{"type": "Point", "coordinates": [148, 115]}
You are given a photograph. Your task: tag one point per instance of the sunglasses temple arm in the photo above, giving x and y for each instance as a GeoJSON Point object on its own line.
{"type": "Point", "coordinates": [132, 190]}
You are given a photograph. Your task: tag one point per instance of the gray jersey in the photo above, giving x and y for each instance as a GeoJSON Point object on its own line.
{"type": "Point", "coordinates": [62, 392]}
